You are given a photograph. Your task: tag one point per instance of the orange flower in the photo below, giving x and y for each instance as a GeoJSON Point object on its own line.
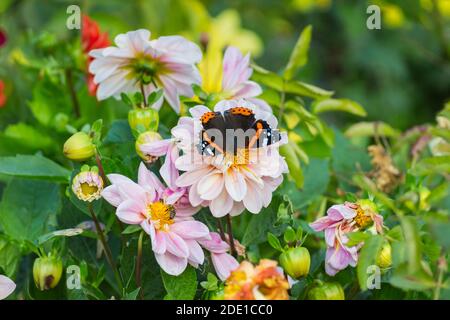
{"type": "Point", "coordinates": [92, 38]}
{"type": "Point", "coordinates": [263, 282]}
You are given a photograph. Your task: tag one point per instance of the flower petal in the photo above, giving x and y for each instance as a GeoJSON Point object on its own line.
{"type": "Point", "coordinates": [190, 229]}
{"type": "Point", "coordinates": [130, 212]}
{"type": "Point", "coordinates": [171, 264]}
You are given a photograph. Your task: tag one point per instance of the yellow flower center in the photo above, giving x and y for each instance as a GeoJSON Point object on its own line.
{"type": "Point", "coordinates": [241, 158]}
{"type": "Point", "coordinates": [161, 215]}
{"type": "Point", "coordinates": [362, 219]}
{"type": "Point", "coordinates": [88, 189]}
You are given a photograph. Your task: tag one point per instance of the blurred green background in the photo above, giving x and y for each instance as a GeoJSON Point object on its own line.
{"type": "Point", "coordinates": [400, 74]}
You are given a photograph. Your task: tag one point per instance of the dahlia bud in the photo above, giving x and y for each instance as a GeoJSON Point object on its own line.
{"type": "Point", "coordinates": [143, 119]}
{"type": "Point", "coordinates": [384, 258]}
{"type": "Point", "coordinates": [144, 138]}
{"type": "Point", "coordinates": [326, 291]}
{"type": "Point", "coordinates": [79, 147]}
{"type": "Point", "coordinates": [47, 272]}
{"type": "Point", "coordinates": [87, 185]}
{"type": "Point", "coordinates": [296, 262]}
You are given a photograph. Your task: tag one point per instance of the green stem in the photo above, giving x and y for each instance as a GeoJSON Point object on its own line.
{"type": "Point", "coordinates": [139, 266]}
{"type": "Point", "coordinates": [143, 95]}
{"type": "Point", "coordinates": [442, 265]}
{"type": "Point", "coordinates": [230, 236]}
{"type": "Point", "coordinates": [106, 248]}
{"type": "Point", "coordinates": [72, 92]}
{"type": "Point", "coordinates": [220, 227]}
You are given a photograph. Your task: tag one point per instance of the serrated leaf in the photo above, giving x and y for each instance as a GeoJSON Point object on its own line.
{"type": "Point", "coordinates": [299, 55]}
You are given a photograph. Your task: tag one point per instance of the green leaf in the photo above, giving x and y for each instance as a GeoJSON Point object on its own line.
{"type": "Point", "coordinates": [182, 287]}
{"type": "Point", "coordinates": [33, 167]}
{"type": "Point", "coordinates": [357, 237]}
{"type": "Point", "coordinates": [432, 165]}
{"type": "Point", "coordinates": [28, 207]}
{"type": "Point", "coordinates": [154, 97]}
{"type": "Point", "coordinates": [274, 81]}
{"type": "Point", "coordinates": [367, 257]}
{"type": "Point", "coordinates": [344, 105]}
{"type": "Point", "coordinates": [30, 137]}
{"type": "Point", "coordinates": [293, 162]}
{"type": "Point", "coordinates": [370, 129]}
{"type": "Point", "coordinates": [417, 281]}
{"type": "Point", "coordinates": [274, 242]}
{"type": "Point", "coordinates": [132, 295]}
{"type": "Point", "coordinates": [289, 235]}
{"type": "Point", "coordinates": [60, 233]}
{"type": "Point", "coordinates": [412, 243]}
{"type": "Point", "coordinates": [299, 56]}
{"type": "Point", "coordinates": [120, 132]}
{"type": "Point", "coordinates": [9, 256]}
{"type": "Point", "coordinates": [131, 229]}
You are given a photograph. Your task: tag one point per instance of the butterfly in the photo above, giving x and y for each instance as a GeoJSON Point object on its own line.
{"type": "Point", "coordinates": [237, 128]}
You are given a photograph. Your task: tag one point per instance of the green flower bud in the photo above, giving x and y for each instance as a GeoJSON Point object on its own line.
{"type": "Point", "coordinates": [145, 138]}
{"type": "Point", "coordinates": [79, 147]}
{"type": "Point", "coordinates": [326, 291]}
{"type": "Point", "coordinates": [47, 272]}
{"type": "Point", "coordinates": [384, 258]}
{"type": "Point", "coordinates": [142, 120]}
{"type": "Point", "coordinates": [296, 262]}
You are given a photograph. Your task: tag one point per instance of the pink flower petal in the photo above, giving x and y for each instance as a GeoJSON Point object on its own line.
{"type": "Point", "coordinates": [190, 229]}
{"type": "Point", "coordinates": [171, 264]}
{"type": "Point", "coordinates": [235, 184]}
{"type": "Point", "coordinates": [221, 205]}
{"type": "Point", "coordinates": [196, 254]}
{"type": "Point", "coordinates": [176, 245]}
{"type": "Point", "coordinates": [130, 212]}
{"type": "Point", "coordinates": [112, 195]}
{"type": "Point", "coordinates": [224, 263]}
{"type": "Point", "coordinates": [210, 185]}
{"type": "Point", "coordinates": [7, 286]}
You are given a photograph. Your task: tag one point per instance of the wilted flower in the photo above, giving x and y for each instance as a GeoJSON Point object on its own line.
{"type": "Point", "coordinates": [47, 272]}
{"type": "Point", "coordinates": [341, 220]}
{"type": "Point", "coordinates": [223, 262]}
{"type": "Point", "coordinates": [386, 175]}
{"type": "Point", "coordinates": [7, 286]}
{"type": "Point", "coordinates": [92, 38]}
{"type": "Point", "coordinates": [263, 282]}
{"type": "Point", "coordinates": [166, 62]}
{"type": "Point", "coordinates": [157, 209]}
{"type": "Point", "coordinates": [79, 147]}
{"type": "Point", "coordinates": [87, 185]}
{"type": "Point", "coordinates": [2, 94]}
{"type": "Point", "coordinates": [232, 179]}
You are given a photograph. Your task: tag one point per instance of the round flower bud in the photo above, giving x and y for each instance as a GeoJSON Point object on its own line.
{"type": "Point", "coordinates": [87, 185]}
{"type": "Point", "coordinates": [384, 258]}
{"type": "Point", "coordinates": [144, 138]}
{"type": "Point", "coordinates": [79, 147]}
{"type": "Point", "coordinates": [143, 119]}
{"type": "Point", "coordinates": [47, 272]}
{"type": "Point", "coordinates": [296, 262]}
{"type": "Point", "coordinates": [326, 291]}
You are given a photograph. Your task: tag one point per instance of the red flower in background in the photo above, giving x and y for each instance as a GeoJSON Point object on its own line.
{"type": "Point", "coordinates": [2, 94]}
{"type": "Point", "coordinates": [3, 38]}
{"type": "Point", "coordinates": [92, 38]}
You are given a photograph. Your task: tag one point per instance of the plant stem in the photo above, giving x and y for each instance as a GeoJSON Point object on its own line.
{"type": "Point", "coordinates": [230, 236]}
{"type": "Point", "coordinates": [106, 248]}
{"type": "Point", "coordinates": [282, 100]}
{"type": "Point", "coordinates": [143, 95]}
{"type": "Point", "coordinates": [72, 92]}
{"type": "Point", "coordinates": [139, 266]}
{"type": "Point", "coordinates": [442, 266]}
{"type": "Point", "coordinates": [220, 226]}
{"type": "Point", "coordinates": [98, 160]}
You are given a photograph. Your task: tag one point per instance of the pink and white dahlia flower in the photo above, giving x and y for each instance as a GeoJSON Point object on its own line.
{"type": "Point", "coordinates": [7, 286]}
{"type": "Point", "coordinates": [230, 181]}
{"type": "Point", "coordinates": [224, 263]}
{"type": "Point", "coordinates": [135, 61]}
{"type": "Point", "coordinates": [164, 214]}
{"type": "Point", "coordinates": [341, 220]}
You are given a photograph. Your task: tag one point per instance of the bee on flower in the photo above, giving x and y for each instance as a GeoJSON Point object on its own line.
{"type": "Point", "coordinates": [165, 214]}
{"type": "Point", "coordinates": [341, 220]}
{"type": "Point", "coordinates": [138, 64]}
